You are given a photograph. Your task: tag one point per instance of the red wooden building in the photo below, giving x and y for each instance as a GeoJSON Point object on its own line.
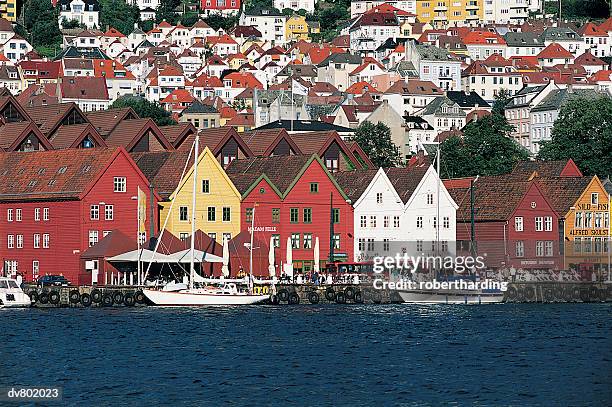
{"type": "Point", "coordinates": [515, 225]}
{"type": "Point", "coordinates": [293, 197]}
{"type": "Point", "coordinates": [56, 204]}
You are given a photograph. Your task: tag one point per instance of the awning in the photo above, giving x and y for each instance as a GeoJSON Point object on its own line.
{"type": "Point", "coordinates": [184, 256]}
{"type": "Point", "coordinates": [146, 256]}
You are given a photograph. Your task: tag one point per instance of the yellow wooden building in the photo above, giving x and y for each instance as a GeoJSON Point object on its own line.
{"type": "Point", "coordinates": [217, 202]}
{"type": "Point", "coordinates": [445, 13]}
{"type": "Point", "coordinates": [296, 28]}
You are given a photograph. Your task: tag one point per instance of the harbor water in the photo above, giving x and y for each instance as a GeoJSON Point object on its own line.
{"type": "Point", "coordinates": [359, 355]}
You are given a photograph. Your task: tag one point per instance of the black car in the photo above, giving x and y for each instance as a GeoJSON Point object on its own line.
{"type": "Point", "coordinates": [52, 280]}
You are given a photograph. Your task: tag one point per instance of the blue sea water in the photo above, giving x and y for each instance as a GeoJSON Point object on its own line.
{"type": "Point", "coordinates": [399, 355]}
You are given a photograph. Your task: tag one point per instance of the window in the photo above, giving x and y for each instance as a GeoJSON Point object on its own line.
{"type": "Point", "coordinates": [275, 215]}
{"type": "Point", "coordinates": [373, 221]}
{"type": "Point", "coordinates": [336, 215]}
{"type": "Point", "coordinates": [548, 248]}
{"type": "Point", "coordinates": [293, 215]}
{"type": "Point", "coordinates": [363, 221]}
{"type": "Point", "coordinates": [578, 220]}
{"type": "Point", "coordinates": [520, 248]}
{"type": "Point", "coordinates": [18, 214]}
{"type": "Point", "coordinates": [307, 215]}
{"type": "Point", "coordinates": [518, 223]}
{"type": "Point", "coordinates": [587, 245]}
{"type": "Point", "coordinates": [396, 221]}
{"type": "Point", "coordinates": [36, 240]}
{"type": "Point", "coordinates": [588, 219]}
{"type": "Point", "coordinates": [183, 214]}
{"type": "Point", "coordinates": [45, 213]}
{"type": "Point", "coordinates": [548, 224]}
{"type": "Point", "coordinates": [94, 212]}
{"type": "Point", "coordinates": [419, 222]}
{"type": "Point", "coordinates": [379, 197]}
{"type": "Point", "coordinates": [249, 214]}
{"type": "Point", "coordinates": [276, 240]}
{"type": "Point", "coordinates": [212, 215]}
{"type": "Point", "coordinates": [386, 220]}
{"type": "Point", "coordinates": [10, 243]}
{"type": "Point", "coordinates": [9, 215]}
{"type": "Point", "coordinates": [577, 245]}
{"type": "Point", "coordinates": [93, 237]}
{"type": "Point", "coordinates": [119, 184]}
{"type": "Point", "coordinates": [45, 240]}
{"type": "Point", "coordinates": [37, 214]}
{"type": "Point", "coordinates": [430, 198]}
{"type": "Point", "coordinates": [35, 267]}
{"type": "Point", "coordinates": [314, 187]}
{"type": "Point", "coordinates": [184, 236]}
{"type": "Point", "coordinates": [307, 240]}
{"type": "Point", "coordinates": [295, 240]}
{"type": "Point", "coordinates": [446, 222]}
{"type": "Point", "coordinates": [361, 244]}
{"type": "Point", "coordinates": [598, 219]}
{"type": "Point", "coordinates": [227, 214]}
{"type": "Point", "coordinates": [227, 236]}
{"type": "Point", "coordinates": [386, 245]}
{"type": "Point", "coordinates": [540, 248]}
{"type": "Point", "coordinates": [108, 212]}
{"type": "Point", "coordinates": [206, 186]}
{"type": "Point", "coordinates": [435, 222]}
{"type": "Point", "coordinates": [594, 198]}
{"type": "Point", "coordinates": [539, 224]}
{"type": "Point", "coordinates": [336, 240]}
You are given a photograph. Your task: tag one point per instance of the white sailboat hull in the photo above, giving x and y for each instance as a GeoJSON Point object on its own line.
{"type": "Point", "coordinates": [194, 298]}
{"type": "Point", "coordinates": [450, 297]}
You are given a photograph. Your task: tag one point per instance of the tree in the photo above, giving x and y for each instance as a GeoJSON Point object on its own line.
{"type": "Point", "coordinates": [118, 14]}
{"type": "Point", "coordinates": [216, 21]}
{"type": "Point", "coordinates": [501, 100]}
{"type": "Point", "coordinates": [166, 10]}
{"type": "Point", "coordinates": [375, 141]}
{"type": "Point", "coordinates": [485, 149]}
{"type": "Point", "coordinates": [41, 25]}
{"type": "Point", "coordinates": [144, 108]}
{"type": "Point", "coordinates": [583, 133]}
{"type": "Point", "coordinates": [66, 24]}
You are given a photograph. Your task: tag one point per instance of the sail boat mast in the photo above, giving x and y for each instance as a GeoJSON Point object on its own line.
{"type": "Point", "coordinates": [251, 244]}
{"type": "Point", "coordinates": [193, 211]}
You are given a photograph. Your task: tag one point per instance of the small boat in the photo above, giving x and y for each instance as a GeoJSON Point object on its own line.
{"type": "Point", "coordinates": [227, 294]}
{"type": "Point", "coordinates": [11, 295]}
{"type": "Point", "coordinates": [451, 296]}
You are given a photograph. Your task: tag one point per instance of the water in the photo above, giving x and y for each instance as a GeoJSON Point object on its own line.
{"type": "Point", "coordinates": [496, 355]}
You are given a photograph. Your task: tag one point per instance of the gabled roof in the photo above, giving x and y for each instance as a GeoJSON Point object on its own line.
{"type": "Point", "coordinates": [483, 38]}
{"type": "Point", "coordinates": [465, 99]}
{"type": "Point", "coordinates": [414, 87]}
{"type": "Point", "coordinates": [555, 51]}
{"type": "Point", "coordinates": [105, 121]}
{"type": "Point", "coordinates": [70, 136]}
{"type": "Point", "coordinates": [13, 134]}
{"type": "Point", "coordinates": [177, 133]}
{"type": "Point", "coordinates": [589, 59]}
{"type": "Point", "coordinates": [84, 87]}
{"type": "Point", "coordinates": [524, 170]}
{"type": "Point", "coordinates": [406, 180]}
{"type": "Point", "coordinates": [263, 142]}
{"type": "Point", "coordinates": [129, 132]}
{"type": "Point", "coordinates": [162, 168]}
{"type": "Point", "coordinates": [49, 117]}
{"type": "Point", "coordinates": [563, 192]}
{"type": "Point", "coordinates": [354, 183]}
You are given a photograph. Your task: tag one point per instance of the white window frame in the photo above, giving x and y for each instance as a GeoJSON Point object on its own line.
{"type": "Point", "coordinates": [119, 184]}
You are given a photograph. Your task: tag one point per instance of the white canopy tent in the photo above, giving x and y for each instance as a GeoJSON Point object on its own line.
{"type": "Point", "coordinates": [184, 256]}
{"type": "Point", "coordinates": [147, 256]}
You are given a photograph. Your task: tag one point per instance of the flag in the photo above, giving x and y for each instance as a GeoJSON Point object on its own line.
{"type": "Point", "coordinates": [142, 211]}
{"type": "Point", "coordinates": [297, 88]}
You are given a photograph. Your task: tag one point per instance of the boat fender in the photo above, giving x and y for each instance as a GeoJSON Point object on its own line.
{"type": "Point", "coordinates": [376, 297]}
{"type": "Point", "coordinates": [283, 295]}
{"type": "Point", "coordinates": [33, 296]}
{"type": "Point", "coordinates": [349, 293]}
{"type": "Point", "coordinates": [568, 294]}
{"type": "Point", "coordinates": [576, 296]}
{"type": "Point", "coordinates": [330, 294]}
{"type": "Point", "coordinates": [43, 298]}
{"type": "Point", "coordinates": [584, 295]}
{"type": "Point", "coordinates": [548, 295]}
{"type": "Point", "coordinates": [358, 298]}
{"type": "Point", "coordinates": [74, 297]}
{"type": "Point", "coordinates": [601, 294]}
{"type": "Point", "coordinates": [274, 299]}
{"type": "Point", "coordinates": [340, 298]}
{"type": "Point", "coordinates": [313, 297]}
{"type": "Point", "coordinates": [118, 297]}
{"type": "Point", "coordinates": [529, 293]}
{"type": "Point", "coordinates": [128, 300]}
{"type": "Point", "coordinates": [96, 296]}
{"type": "Point", "coordinates": [86, 299]}
{"type": "Point", "coordinates": [511, 294]}
{"type": "Point", "coordinates": [265, 289]}
{"type": "Point", "coordinates": [558, 293]}
{"type": "Point", "coordinates": [294, 299]}
{"type": "Point", "coordinates": [139, 297]}
{"type": "Point", "coordinates": [54, 297]}
{"type": "Point", "coordinates": [107, 300]}
{"type": "Point", "coordinates": [257, 290]}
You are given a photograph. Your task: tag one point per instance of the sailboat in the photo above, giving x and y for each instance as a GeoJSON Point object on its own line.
{"type": "Point", "coordinates": [448, 296]}
{"type": "Point", "coordinates": [226, 293]}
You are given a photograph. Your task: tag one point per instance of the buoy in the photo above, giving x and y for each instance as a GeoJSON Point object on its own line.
{"type": "Point", "coordinates": [85, 299]}
{"type": "Point", "coordinates": [376, 297]}
{"type": "Point", "coordinates": [118, 297]}
{"type": "Point", "coordinates": [584, 295]}
{"type": "Point", "coordinates": [358, 298]}
{"type": "Point", "coordinates": [107, 300]}
{"type": "Point", "coordinates": [294, 299]}
{"type": "Point", "coordinates": [274, 299]}
{"type": "Point", "coordinates": [139, 297]}
{"type": "Point", "coordinates": [128, 300]}
{"type": "Point", "coordinates": [529, 293]}
{"type": "Point", "coordinates": [349, 293]}
{"type": "Point", "coordinates": [313, 297]}
{"type": "Point", "coordinates": [548, 295]}
{"type": "Point", "coordinates": [54, 297]}
{"type": "Point", "coordinates": [43, 298]}
{"type": "Point", "coordinates": [283, 295]}
{"type": "Point", "coordinates": [558, 293]}
{"type": "Point", "coordinates": [265, 289]}
{"type": "Point", "coordinates": [341, 298]}
{"type": "Point", "coordinates": [74, 297]}
{"type": "Point", "coordinates": [511, 294]}
{"type": "Point", "coordinates": [33, 296]}
{"type": "Point", "coordinates": [96, 296]}
{"type": "Point", "coordinates": [330, 294]}
{"type": "Point", "coordinates": [601, 294]}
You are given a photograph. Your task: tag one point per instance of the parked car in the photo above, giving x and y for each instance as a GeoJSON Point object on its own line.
{"type": "Point", "coordinates": [52, 280]}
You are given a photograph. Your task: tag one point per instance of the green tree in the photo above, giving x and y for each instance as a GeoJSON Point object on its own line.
{"type": "Point", "coordinates": [41, 27]}
{"type": "Point", "coordinates": [573, 9]}
{"type": "Point", "coordinates": [216, 21]}
{"type": "Point", "coordinates": [501, 100]}
{"type": "Point", "coordinates": [166, 10]}
{"type": "Point", "coordinates": [66, 24]}
{"type": "Point", "coordinates": [583, 132]}
{"type": "Point", "coordinates": [375, 141]}
{"type": "Point", "coordinates": [118, 14]}
{"type": "Point", "coordinates": [189, 19]}
{"type": "Point", "coordinates": [144, 108]}
{"type": "Point", "coordinates": [485, 149]}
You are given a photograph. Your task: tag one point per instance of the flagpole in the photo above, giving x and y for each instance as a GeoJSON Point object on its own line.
{"type": "Point", "coordinates": [291, 104]}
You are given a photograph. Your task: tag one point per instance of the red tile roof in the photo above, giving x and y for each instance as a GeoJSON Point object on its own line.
{"type": "Point", "coordinates": [555, 51]}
